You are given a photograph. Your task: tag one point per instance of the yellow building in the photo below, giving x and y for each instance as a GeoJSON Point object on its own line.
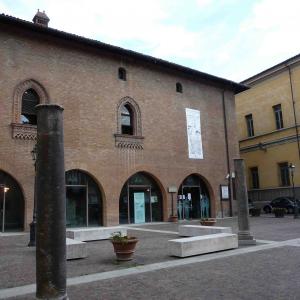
{"type": "Point", "coordinates": [268, 116]}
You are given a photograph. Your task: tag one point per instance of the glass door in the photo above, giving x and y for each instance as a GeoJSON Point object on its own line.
{"type": "Point", "coordinates": [77, 214]}
{"type": "Point", "coordinates": [189, 206]}
{"type": "Point", "coordinates": [139, 204]}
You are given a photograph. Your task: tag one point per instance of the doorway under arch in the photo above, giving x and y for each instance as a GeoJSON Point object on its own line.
{"type": "Point", "coordinates": [140, 200]}
{"type": "Point", "coordinates": [193, 199]}
{"type": "Point", "coordinates": [11, 204]}
{"type": "Point", "coordinates": [84, 205]}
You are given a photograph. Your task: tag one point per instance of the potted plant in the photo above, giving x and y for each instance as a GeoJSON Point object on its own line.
{"type": "Point", "coordinates": [255, 211]}
{"type": "Point", "coordinates": [124, 245]}
{"type": "Point", "coordinates": [208, 221]}
{"type": "Point", "coordinates": [279, 212]}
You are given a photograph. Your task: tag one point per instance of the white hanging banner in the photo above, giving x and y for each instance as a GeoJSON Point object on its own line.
{"type": "Point", "coordinates": [194, 133]}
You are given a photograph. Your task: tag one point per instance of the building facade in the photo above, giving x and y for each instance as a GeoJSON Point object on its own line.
{"type": "Point", "coordinates": [268, 117]}
{"type": "Point", "coordinates": [135, 128]}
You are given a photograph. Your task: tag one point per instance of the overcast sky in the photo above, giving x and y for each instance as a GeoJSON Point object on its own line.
{"type": "Point", "coordinates": [234, 39]}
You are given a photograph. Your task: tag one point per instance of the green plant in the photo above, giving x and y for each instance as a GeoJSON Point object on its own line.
{"type": "Point", "coordinates": [118, 237]}
{"type": "Point", "coordinates": [279, 212]}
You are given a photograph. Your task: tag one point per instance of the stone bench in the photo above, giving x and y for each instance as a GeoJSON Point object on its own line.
{"type": "Point", "coordinates": [195, 230]}
{"type": "Point", "coordinates": [76, 249]}
{"type": "Point", "coordinates": [94, 234]}
{"type": "Point", "coordinates": [202, 244]}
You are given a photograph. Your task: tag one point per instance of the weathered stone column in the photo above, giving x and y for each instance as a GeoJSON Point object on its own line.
{"type": "Point", "coordinates": [244, 235]}
{"type": "Point", "coordinates": [51, 204]}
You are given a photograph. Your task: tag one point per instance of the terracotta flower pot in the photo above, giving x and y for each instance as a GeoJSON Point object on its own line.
{"type": "Point", "coordinates": [173, 218]}
{"type": "Point", "coordinates": [210, 222]}
{"type": "Point", "coordinates": [125, 250]}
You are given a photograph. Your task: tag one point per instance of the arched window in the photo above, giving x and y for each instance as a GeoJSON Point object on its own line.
{"type": "Point", "coordinates": [127, 120]}
{"type": "Point", "coordinates": [129, 126]}
{"type": "Point", "coordinates": [122, 74]}
{"type": "Point", "coordinates": [29, 100]}
{"type": "Point", "coordinates": [178, 87]}
{"type": "Point", "coordinates": [27, 95]}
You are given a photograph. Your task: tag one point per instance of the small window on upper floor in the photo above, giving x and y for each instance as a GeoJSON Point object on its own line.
{"type": "Point", "coordinates": [250, 127]}
{"type": "Point", "coordinates": [178, 87]}
{"type": "Point", "coordinates": [122, 74]}
{"type": "Point", "coordinates": [278, 116]}
{"type": "Point", "coordinates": [29, 100]}
{"type": "Point", "coordinates": [254, 177]}
{"type": "Point", "coordinates": [127, 120]}
{"type": "Point", "coordinates": [284, 174]}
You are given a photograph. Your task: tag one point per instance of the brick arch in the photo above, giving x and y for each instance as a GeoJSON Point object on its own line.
{"type": "Point", "coordinates": [18, 94]}
{"type": "Point", "coordinates": [137, 122]}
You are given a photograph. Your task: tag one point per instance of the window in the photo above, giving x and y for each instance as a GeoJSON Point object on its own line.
{"type": "Point", "coordinates": [127, 120]}
{"type": "Point", "coordinates": [178, 87]}
{"type": "Point", "coordinates": [254, 177]}
{"type": "Point", "coordinates": [129, 126]}
{"type": "Point", "coordinates": [250, 127]}
{"type": "Point", "coordinates": [122, 74]}
{"type": "Point", "coordinates": [278, 116]}
{"type": "Point", "coordinates": [29, 100]}
{"type": "Point", "coordinates": [284, 174]}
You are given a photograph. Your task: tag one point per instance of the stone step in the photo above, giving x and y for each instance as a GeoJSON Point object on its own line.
{"type": "Point", "coordinates": [94, 234]}
{"type": "Point", "coordinates": [202, 244]}
{"type": "Point", "coordinates": [76, 249]}
{"type": "Point", "coordinates": [195, 230]}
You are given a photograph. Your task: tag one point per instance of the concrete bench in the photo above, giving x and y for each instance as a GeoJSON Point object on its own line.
{"type": "Point", "coordinates": [94, 234]}
{"type": "Point", "coordinates": [76, 249]}
{"type": "Point", "coordinates": [195, 230]}
{"type": "Point", "coordinates": [202, 244]}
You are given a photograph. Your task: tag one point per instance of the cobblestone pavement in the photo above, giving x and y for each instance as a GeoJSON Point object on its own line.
{"type": "Point", "coordinates": [273, 273]}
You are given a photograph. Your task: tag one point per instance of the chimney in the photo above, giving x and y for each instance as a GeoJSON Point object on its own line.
{"type": "Point", "coordinates": [41, 19]}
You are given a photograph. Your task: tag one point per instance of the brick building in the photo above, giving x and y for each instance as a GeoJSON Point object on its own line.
{"type": "Point", "coordinates": [132, 128]}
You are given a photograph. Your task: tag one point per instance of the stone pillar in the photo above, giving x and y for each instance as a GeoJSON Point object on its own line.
{"type": "Point", "coordinates": [244, 235]}
{"type": "Point", "coordinates": [51, 204]}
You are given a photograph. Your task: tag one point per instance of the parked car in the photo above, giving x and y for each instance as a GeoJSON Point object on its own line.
{"type": "Point", "coordinates": [282, 202]}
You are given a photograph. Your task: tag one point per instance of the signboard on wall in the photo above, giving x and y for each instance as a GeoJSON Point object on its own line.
{"type": "Point", "coordinates": [224, 192]}
{"type": "Point", "coordinates": [139, 207]}
{"type": "Point", "coordinates": [194, 133]}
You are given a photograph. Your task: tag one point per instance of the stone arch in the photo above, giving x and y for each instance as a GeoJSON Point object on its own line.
{"type": "Point", "coordinates": [137, 122]}
{"type": "Point", "coordinates": [18, 93]}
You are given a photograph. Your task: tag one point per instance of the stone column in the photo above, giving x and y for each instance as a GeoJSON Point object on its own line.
{"type": "Point", "coordinates": [244, 235]}
{"type": "Point", "coordinates": [51, 204]}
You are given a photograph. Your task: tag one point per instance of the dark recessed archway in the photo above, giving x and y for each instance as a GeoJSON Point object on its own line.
{"type": "Point", "coordinates": [140, 200]}
{"type": "Point", "coordinates": [13, 210]}
{"type": "Point", "coordinates": [84, 200]}
{"type": "Point", "coordinates": [194, 200]}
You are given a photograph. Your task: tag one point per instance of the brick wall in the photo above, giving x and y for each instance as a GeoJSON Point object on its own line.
{"type": "Point", "coordinates": [85, 82]}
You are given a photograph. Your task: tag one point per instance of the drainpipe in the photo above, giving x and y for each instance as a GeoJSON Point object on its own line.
{"type": "Point", "coordinates": [294, 110]}
{"type": "Point", "coordinates": [227, 153]}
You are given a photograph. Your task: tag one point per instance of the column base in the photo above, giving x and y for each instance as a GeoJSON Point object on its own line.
{"type": "Point", "coordinates": [246, 238]}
